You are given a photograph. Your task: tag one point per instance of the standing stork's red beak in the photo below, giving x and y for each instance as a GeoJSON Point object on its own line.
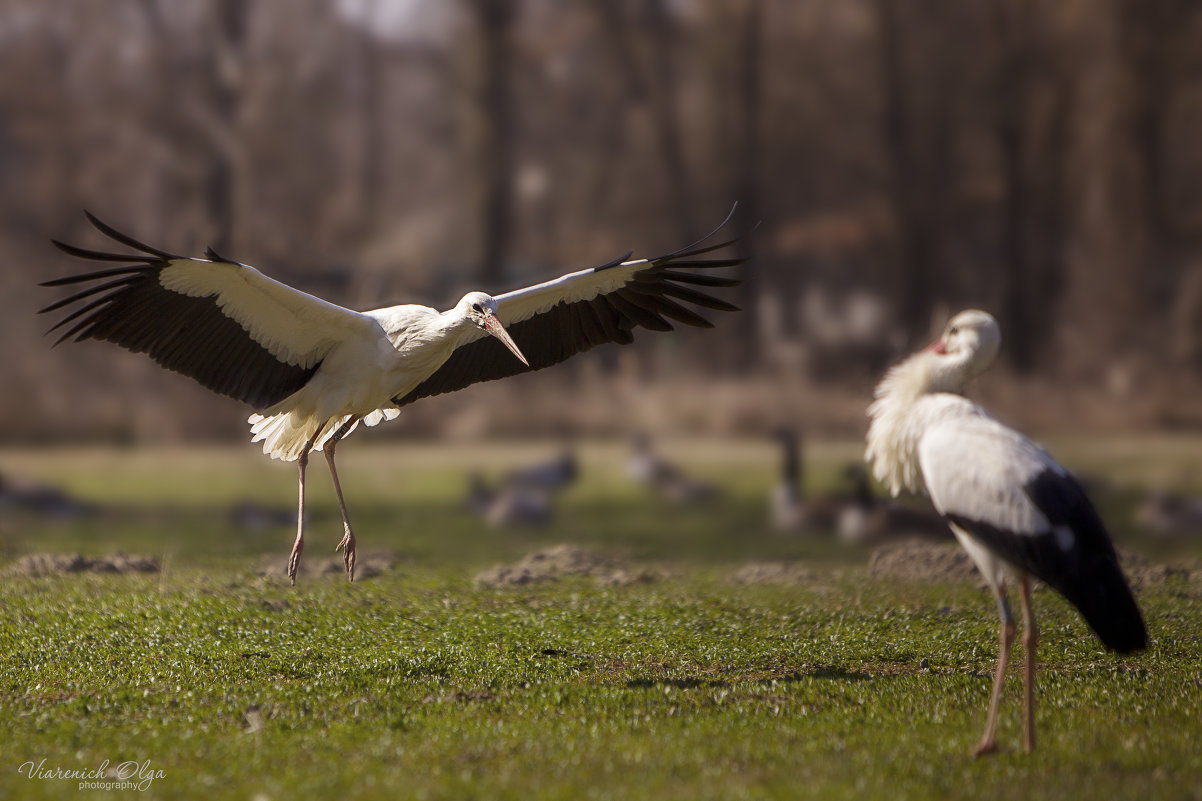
{"type": "Point", "coordinates": [493, 326]}
{"type": "Point", "coordinates": [938, 346]}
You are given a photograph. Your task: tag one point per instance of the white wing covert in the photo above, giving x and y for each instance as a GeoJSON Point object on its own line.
{"type": "Point", "coordinates": [974, 465]}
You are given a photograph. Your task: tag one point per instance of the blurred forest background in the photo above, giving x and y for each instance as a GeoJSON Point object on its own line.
{"type": "Point", "coordinates": [906, 158]}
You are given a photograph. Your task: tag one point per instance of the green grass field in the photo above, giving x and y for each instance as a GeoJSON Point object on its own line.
{"type": "Point", "coordinates": [419, 683]}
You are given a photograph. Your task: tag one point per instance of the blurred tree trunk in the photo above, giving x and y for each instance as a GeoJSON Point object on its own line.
{"type": "Point", "coordinates": [491, 132]}
{"type": "Point", "coordinates": [915, 166]}
{"type": "Point", "coordinates": [1013, 67]}
{"type": "Point", "coordinates": [652, 84]}
{"type": "Point", "coordinates": [746, 179]}
{"type": "Point", "coordinates": [371, 136]}
{"type": "Point", "coordinates": [207, 126]}
{"type": "Point", "coordinates": [225, 90]}
{"type": "Point", "coordinates": [661, 35]}
{"type": "Point", "coordinates": [1050, 196]}
{"type": "Point", "coordinates": [1150, 31]}
{"type": "Point", "coordinates": [1101, 317]}
{"type": "Point", "coordinates": [618, 41]}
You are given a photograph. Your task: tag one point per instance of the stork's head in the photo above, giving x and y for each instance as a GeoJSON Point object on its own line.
{"type": "Point", "coordinates": [966, 348]}
{"type": "Point", "coordinates": [480, 309]}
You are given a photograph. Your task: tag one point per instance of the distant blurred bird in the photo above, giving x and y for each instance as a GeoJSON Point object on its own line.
{"type": "Point", "coordinates": [665, 479]}
{"type": "Point", "coordinates": [1168, 514]}
{"type": "Point", "coordinates": [786, 511]}
{"type": "Point", "coordinates": [791, 508]}
{"type": "Point", "coordinates": [257, 517]}
{"type": "Point", "coordinates": [1014, 509]}
{"type": "Point", "coordinates": [313, 370]}
{"type": "Point", "coordinates": [523, 497]}
{"type": "Point", "coordinates": [552, 476]}
{"type": "Point", "coordinates": [868, 519]}
{"type": "Point", "coordinates": [40, 499]}
{"type": "Point", "coordinates": [508, 505]}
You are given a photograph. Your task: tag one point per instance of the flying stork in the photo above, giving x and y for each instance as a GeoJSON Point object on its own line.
{"type": "Point", "coordinates": [312, 370]}
{"type": "Point", "coordinates": [1016, 511]}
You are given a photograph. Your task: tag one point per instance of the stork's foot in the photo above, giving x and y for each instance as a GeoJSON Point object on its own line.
{"type": "Point", "coordinates": [348, 545]}
{"type": "Point", "coordinates": [294, 559]}
{"type": "Point", "coordinates": [984, 748]}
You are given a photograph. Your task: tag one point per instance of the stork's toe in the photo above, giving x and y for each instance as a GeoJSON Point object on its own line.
{"type": "Point", "coordinates": [294, 560]}
{"type": "Point", "coordinates": [348, 545]}
{"type": "Point", "coordinates": [985, 748]}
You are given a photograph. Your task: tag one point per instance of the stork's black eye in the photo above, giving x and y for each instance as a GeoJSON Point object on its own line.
{"type": "Point", "coordinates": [955, 329]}
{"type": "Point", "coordinates": [477, 308]}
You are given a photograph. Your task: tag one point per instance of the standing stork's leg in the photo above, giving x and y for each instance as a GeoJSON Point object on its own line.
{"type": "Point", "coordinates": [347, 543]}
{"type": "Point", "coordinates": [1030, 639]}
{"type": "Point", "coordinates": [298, 546]}
{"type": "Point", "coordinates": [987, 745]}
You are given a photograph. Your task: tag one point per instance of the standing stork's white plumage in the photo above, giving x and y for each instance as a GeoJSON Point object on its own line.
{"type": "Point", "coordinates": [313, 370]}
{"type": "Point", "coordinates": [1014, 509]}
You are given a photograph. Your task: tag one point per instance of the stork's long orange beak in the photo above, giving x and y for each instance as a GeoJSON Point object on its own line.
{"type": "Point", "coordinates": [493, 326]}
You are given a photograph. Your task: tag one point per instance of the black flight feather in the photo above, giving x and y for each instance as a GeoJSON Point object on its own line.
{"type": "Point", "coordinates": [189, 335]}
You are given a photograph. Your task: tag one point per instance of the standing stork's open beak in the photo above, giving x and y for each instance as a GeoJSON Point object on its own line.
{"type": "Point", "coordinates": [493, 326]}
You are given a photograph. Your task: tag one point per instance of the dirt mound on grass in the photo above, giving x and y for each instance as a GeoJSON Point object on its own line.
{"type": "Point", "coordinates": [921, 561]}
{"type": "Point", "coordinates": [914, 561]}
{"type": "Point", "coordinates": [788, 573]}
{"type": "Point", "coordinates": [46, 564]}
{"type": "Point", "coordinates": [1143, 572]}
{"type": "Point", "coordinates": [565, 560]}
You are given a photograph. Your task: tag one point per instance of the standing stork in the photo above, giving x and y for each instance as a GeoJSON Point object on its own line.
{"type": "Point", "coordinates": [1014, 509]}
{"type": "Point", "coordinates": [313, 370]}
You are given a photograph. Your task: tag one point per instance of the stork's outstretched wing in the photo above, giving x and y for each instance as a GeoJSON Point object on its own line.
{"type": "Point", "coordinates": [225, 324]}
{"type": "Point", "coordinates": [558, 319]}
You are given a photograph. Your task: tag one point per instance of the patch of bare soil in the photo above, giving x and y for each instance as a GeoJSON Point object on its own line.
{"type": "Point", "coordinates": [788, 573]}
{"type": "Point", "coordinates": [922, 561]}
{"type": "Point", "coordinates": [565, 560]}
{"type": "Point", "coordinates": [46, 564]}
{"type": "Point", "coordinates": [916, 561]}
{"type": "Point", "coordinates": [1143, 572]}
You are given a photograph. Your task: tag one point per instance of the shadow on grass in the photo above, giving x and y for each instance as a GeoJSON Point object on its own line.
{"type": "Point", "coordinates": [816, 672]}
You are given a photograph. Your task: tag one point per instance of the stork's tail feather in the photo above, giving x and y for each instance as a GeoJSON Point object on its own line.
{"type": "Point", "coordinates": [285, 435]}
{"type": "Point", "coordinates": [1111, 611]}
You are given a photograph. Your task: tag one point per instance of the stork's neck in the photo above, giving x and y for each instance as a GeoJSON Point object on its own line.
{"type": "Point", "coordinates": [907, 402]}
{"type": "Point", "coordinates": [412, 328]}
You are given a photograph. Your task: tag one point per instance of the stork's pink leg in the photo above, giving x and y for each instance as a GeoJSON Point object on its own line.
{"type": "Point", "coordinates": [298, 546]}
{"type": "Point", "coordinates": [1030, 640]}
{"type": "Point", "coordinates": [347, 544]}
{"type": "Point", "coordinates": [987, 744]}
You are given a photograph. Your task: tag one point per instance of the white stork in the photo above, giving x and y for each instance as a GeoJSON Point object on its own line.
{"type": "Point", "coordinates": [313, 370]}
{"type": "Point", "coordinates": [1014, 509]}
